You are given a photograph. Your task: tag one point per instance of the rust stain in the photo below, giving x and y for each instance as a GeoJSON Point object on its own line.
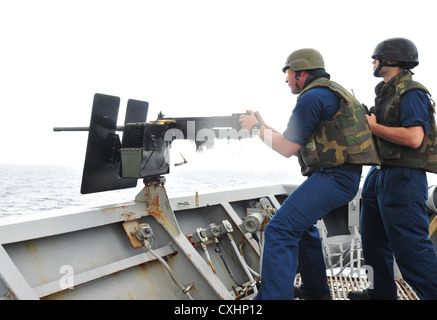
{"type": "Point", "coordinates": [149, 279]}
{"type": "Point", "coordinates": [33, 255]}
{"type": "Point", "coordinates": [123, 208]}
{"type": "Point", "coordinates": [31, 247]}
{"type": "Point", "coordinates": [124, 211]}
{"type": "Point", "coordinates": [155, 210]}
{"type": "Point", "coordinates": [157, 277]}
{"type": "Point", "coordinates": [129, 217]}
{"type": "Point", "coordinates": [131, 227]}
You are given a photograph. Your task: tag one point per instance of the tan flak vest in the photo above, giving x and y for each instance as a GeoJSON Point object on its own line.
{"type": "Point", "coordinates": [387, 109]}
{"type": "Point", "coordinates": [345, 139]}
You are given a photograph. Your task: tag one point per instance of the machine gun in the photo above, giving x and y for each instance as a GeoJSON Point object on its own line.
{"type": "Point", "coordinates": [143, 152]}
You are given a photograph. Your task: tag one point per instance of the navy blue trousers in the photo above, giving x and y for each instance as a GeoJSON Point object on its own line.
{"type": "Point", "coordinates": [291, 237]}
{"type": "Point", "coordinates": [394, 222]}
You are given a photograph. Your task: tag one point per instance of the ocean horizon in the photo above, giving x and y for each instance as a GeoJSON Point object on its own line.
{"type": "Point", "coordinates": [34, 188]}
{"type": "Point", "coordinates": [26, 189]}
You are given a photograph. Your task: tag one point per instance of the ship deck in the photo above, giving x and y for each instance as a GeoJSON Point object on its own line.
{"type": "Point", "coordinates": [340, 286]}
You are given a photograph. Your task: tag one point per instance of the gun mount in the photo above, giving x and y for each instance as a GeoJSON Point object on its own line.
{"type": "Point", "coordinates": [143, 152]}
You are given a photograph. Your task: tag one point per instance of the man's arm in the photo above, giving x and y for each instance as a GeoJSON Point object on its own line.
{"type": "Point", "coordinates": [270, 136]}
{"type": "Point", "coordinates": [405, 136]}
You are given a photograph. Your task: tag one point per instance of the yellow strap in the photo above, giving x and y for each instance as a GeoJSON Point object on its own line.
{"type": "Point", "coordinates": [432, 227]}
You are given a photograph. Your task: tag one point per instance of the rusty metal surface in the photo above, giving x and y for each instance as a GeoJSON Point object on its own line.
{"type": "Point", "coordinates": [131, 228]}
{"type": "Point", "coordinates": [109, 262]}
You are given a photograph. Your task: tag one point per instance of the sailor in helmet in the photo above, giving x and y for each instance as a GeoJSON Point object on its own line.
{"type": "Point", "coordinates": [329, 134]}
{"type": "Point", "coordinates": [394, 221]}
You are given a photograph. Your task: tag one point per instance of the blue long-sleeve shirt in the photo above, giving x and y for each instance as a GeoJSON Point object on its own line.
{"type": "Point", "coordinates": [414, 109]}
{"type": "Point", "coordinates": [314, 106]}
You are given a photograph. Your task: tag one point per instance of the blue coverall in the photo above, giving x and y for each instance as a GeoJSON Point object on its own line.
{"type": "Point", "coordinates": [291, 236]}
{"type": "Point", "coordinates": [394, 219]}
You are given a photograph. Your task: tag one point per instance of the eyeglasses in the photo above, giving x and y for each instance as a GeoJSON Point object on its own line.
{"type": "Point", "coordinates": [287, 72]}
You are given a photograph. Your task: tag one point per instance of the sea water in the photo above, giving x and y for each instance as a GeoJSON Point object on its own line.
{"type": "Point", "coordinates": [26, 189]}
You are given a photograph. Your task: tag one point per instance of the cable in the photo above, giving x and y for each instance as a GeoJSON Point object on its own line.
{"type": "Point", "coordinates": [170, 271]}
{"type": "Point", "coordinates": [219, 251]}
{"type": "Point", "coordinates": [243, 263]}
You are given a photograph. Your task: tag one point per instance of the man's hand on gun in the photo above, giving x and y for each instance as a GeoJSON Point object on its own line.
{"type": "Point", "coordinates": [247, 121]}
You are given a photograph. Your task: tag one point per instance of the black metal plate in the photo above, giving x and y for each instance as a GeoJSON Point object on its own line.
{"type": "Point", "coordinates": [102, 160]}
{"type": "Point", "coordinates": [136, 111]}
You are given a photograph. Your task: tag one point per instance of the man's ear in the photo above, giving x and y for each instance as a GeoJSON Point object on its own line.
{"type": "Point", "coordinates": [301, 73]}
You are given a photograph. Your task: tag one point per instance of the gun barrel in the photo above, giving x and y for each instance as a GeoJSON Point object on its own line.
{"type": "Point", "coordinates": [60, 129]}
{"type": "Point", "coordinates": [208, 122]}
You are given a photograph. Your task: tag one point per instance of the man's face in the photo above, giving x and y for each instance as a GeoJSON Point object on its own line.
{"type": "Point", "coordinates": [384, 70]}
{"type": "Point", "coordinates": [294, 84]}
{"type": "Point", "coordinates": [375, 64]}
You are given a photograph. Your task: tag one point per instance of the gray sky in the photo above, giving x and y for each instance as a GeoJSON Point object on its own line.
{"type": "Point", "coordinates": [186, 58]}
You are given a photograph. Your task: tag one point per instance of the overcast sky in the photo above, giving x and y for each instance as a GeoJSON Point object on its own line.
{"type": "Point", "coordinates": [186, 58]}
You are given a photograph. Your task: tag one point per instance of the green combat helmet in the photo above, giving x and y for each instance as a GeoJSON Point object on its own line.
{"type": "Point", "coordinates": [304, 59]}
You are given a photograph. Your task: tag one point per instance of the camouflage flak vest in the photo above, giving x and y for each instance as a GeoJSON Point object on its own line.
{"type": "Point", "coordinates": [345, 139]}
{"type": "Point", "coordinates": [387, 108]}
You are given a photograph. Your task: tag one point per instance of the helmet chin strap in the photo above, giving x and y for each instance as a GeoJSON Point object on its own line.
{"type": "Point", "coordinates": [299, 89]}
{"type": "Point", "coordinates": [384, 64]}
